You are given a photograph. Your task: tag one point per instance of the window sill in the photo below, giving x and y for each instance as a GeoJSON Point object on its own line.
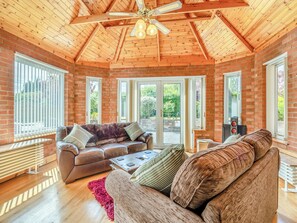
{"type": "Point", "coordinates": [35, 137]}
{"type": "Point", "coordinates": [280, 141]}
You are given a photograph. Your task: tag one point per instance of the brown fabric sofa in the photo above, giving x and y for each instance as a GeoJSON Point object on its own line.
{"type": "Point", "coordinates": [251, 198]}
{"type": "Point", "coordinates": [108, 141]}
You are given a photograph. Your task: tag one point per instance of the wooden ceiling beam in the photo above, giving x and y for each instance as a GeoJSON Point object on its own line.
{"type": "Point", "coordinates": [87, 43]}
{"type": "Point", "coordinates": [123, 35]}
{"type": "Point", "coordinates": [84, 5]}
{"type": "Point", "coordinates": [163, 21]}
{"type": "Point", "coordinates": [235, 31]}
{"type": "Point", "coordinates": [199, 40]}
{"type": "Point", "coordinates": [111, 5]}
{"type": "Point", "coordinates": [94, 32]}
{"type": "Point", "coordinates": [192, 8]}
{"type": "Point", "coordinates": [120, 44]}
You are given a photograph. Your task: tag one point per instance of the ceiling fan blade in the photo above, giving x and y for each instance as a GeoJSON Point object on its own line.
{"type": "Point", "coordinates": [140, 4]}
{"type": "Point", "coordinates": [132, 14]}
{"type": "Point", "coordinates": [167, 8]}
{"type": "Point", "coordinates": [133, 31]}
{"type": "Point", "coordinates": [160, 26]}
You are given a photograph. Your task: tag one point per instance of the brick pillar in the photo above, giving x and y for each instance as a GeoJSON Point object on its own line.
{"type": "Point", "coordinates": [6, 96]}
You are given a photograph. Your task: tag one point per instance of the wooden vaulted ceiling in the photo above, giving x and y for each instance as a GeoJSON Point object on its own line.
{"type": "Point", "coordinates": [218, 33]}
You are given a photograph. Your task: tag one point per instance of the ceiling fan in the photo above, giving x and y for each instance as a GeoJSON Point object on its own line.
{"type": "Point", "coordinates": [145, 17]}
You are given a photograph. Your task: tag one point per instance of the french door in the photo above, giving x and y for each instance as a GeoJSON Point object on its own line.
{"type": "Point", "coordinates": [160, 108]}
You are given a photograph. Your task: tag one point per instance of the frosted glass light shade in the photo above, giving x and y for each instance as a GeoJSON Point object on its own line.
{"type": "Point", "coordinates": [151, 30]}
{"type": "Point", "coordinates": [140, 24]}
{"type": "Point", "coordinates": [140, 34]}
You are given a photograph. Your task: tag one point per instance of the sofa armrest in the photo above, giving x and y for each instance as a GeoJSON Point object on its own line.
{"type": "Point", "coordinates": [136, 203]}
{"type": "Point", "coordinates": [64, 146]}
{"type": "Point", "coordinates": [147, 138]}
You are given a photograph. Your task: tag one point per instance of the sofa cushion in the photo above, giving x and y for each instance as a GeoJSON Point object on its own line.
{"type": "Point", "coordinates": [261, 140]}
{"type": "Point", "coordinates": [105, 141]}
{"type": "Point", "coordinates": [135, 146]}
{"type": "Point", "coordinates": [89, 155]}
{"type": "Point", "coordinates": [209, 172]}
{"type": "Point", "coordinates": [78, 136]}
{"type": "Point", "coordinates": [114, 150]}
{"type": "Point", "coordinates": [134, 131]}
{"type": "Point", "coordinates": [158, 172]}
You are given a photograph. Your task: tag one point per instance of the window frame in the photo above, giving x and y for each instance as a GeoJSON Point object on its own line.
{"type": "Point", "coordinates": [38, 69]}
{"type": "Point", "coordinates": [272, 96]}
{"type": "Point", "coordinates": [88, 79]}
{"type": "Point", "coordinates": [119, 104]}
{"type": "Point", "coordinates": [226, 76]}
{"type": "Point", "coordinates": [193, 102]}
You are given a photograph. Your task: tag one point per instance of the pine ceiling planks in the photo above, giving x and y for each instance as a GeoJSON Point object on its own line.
{"type": "Point", "coordinates": [46, 24]}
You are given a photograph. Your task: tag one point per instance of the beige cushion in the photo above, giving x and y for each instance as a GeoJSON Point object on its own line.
{"type": "Point", "coordinates": [78, 136]}
{"type": "Point", "coordinates": [232, 138]}
{"type": "Point", "coordinates": [134, 131]}
{"type": "Point", "coordinates": [261, 140]}
{"type": "Point", "coordinates": [209, 172]}
{"type": "Point", "coordinates": [158, 172]}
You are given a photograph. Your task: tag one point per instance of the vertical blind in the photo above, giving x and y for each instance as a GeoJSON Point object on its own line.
{"type": "Point", "coordinates": [38, 98]}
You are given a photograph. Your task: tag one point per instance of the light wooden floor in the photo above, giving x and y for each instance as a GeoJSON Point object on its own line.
{"type": "Point", "coordinates": [45, 198]}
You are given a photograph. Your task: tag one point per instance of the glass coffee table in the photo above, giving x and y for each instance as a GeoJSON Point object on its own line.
{"type": "Point", "coordinates": [131, 162]}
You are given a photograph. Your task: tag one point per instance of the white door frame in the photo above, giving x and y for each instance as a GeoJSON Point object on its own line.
{"type": "Point", "coordinates": [226, 75]}
{"type": "Point", "coordinates": [159, 104]}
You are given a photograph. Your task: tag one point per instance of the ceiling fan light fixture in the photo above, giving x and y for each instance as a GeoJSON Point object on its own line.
{"type": "Point", "coordinates": [151, 30]}
{"type": "Point", "coordinates": [140, 25]}
{"type": "Point", "coordinates": [140, 34]}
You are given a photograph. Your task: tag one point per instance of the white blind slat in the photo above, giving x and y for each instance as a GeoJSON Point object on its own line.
{"type": "Point", "coordinates": [39, 98]}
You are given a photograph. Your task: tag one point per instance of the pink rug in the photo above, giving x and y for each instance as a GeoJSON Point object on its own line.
{"type": "Point", "coordinates": [98, 189]}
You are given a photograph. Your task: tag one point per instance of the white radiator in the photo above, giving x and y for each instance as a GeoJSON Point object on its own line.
{"type": "Point", "coordinates": [288, 172]}
{"type": "Point", "coordinates": [21, 156]}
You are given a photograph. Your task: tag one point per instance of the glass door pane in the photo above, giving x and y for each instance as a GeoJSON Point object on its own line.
{"type": "Point", "coordinates": [171, 113]}
{"type": "Point", "coordinates": [124, 101]}
{"type": "Point", "coordinates": [232, 97]}
{"type": "Point", "coordinates": [280, 72]}
{"type": "Point", "coordinates": [148, 108]}
{"type": "Point", "coordinates": [93, 100]}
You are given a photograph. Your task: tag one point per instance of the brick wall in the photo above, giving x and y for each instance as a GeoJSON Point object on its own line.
{"type": "Point", "coordinates": [81, 72]}
{"type": "Point", "coordinates": [246, 66]}
{"type": "Point", "coordinates": [6, 96]}
{"type": "Point", "coordinates": [287, 43]}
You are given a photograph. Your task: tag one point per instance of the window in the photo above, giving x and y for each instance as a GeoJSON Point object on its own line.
{"type": "Point", "coordinates": [93, 99]}
{"type": "Point", "coordinates": [198, 103]}
{"type": "Point", "coordinates": [232, 96]}
{"type": "Point", "coordinates": [123, 102]}
{"type": "Point", "coordinates": [38, 97]}
{"type": "Point", "coordinates": [276, 96]}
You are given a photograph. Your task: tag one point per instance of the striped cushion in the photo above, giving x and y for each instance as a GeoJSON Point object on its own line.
{"type": "Point", "coordinates": [78, 136]}
{"type": "Point", "coordinates": [134, 131]}
{"type": "Point", "coordinates": [158, 173]}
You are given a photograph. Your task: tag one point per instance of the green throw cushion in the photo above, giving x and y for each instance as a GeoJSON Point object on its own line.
{"type": "Point", "coordinates": [232, 138]}
{"type": "Point", "coordinates": [78, 136]}
{"type": "Point", "coordinates": [158, 173]}
{"type": "Point", "coordinates": [134, 131]}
